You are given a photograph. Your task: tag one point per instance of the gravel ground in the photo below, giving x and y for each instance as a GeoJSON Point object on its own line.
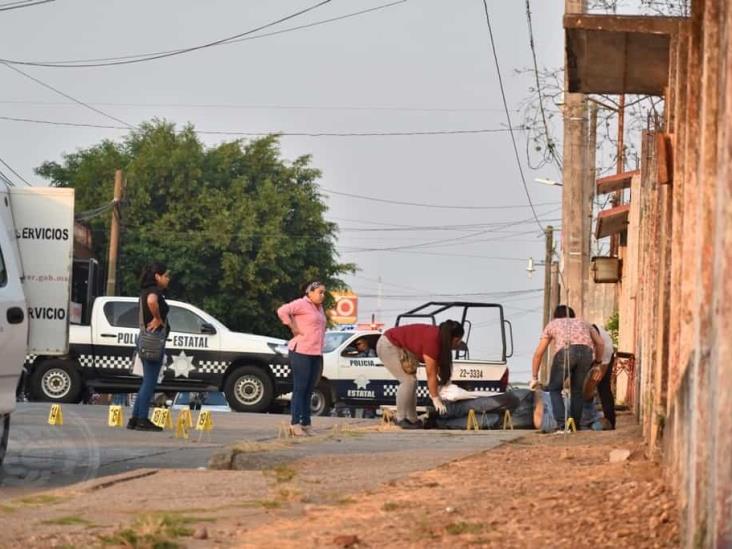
{"type": "Point", "coordinates": [542, 490]}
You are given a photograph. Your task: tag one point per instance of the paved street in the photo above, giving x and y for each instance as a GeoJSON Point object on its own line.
{"type": "Point", "coordinates": [42, 457]}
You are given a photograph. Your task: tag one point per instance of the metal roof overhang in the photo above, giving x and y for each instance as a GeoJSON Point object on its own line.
{"type": "Point", "coordinates": [619, 54]}
{"type": "Point", "coordinates": [612, 221]}
{"type": "Point", "coordinates": [617, 182]}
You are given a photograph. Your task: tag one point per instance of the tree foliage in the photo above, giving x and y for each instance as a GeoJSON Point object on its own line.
{"type": "Point", "coordinates": [239, 228]}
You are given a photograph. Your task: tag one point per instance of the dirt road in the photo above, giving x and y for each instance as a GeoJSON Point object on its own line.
{"type": "Point", "coordinates": [548, 490]}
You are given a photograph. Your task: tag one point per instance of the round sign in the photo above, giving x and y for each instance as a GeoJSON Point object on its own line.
{"type": "Point", "coordinates": [346, 306]}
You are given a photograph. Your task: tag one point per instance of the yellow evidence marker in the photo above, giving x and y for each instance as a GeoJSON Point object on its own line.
{"type": "Point", "coordinates": [115, 417]}
{"type": "Point", "coordinates": [161, 418]}
{"type": "Point", "coordinates": [472, 424]}
{"type": "Point", "coordinates": [205, 421]}
{"type": "Point", "coordinates": [56, 416]}
{"type": "Point", "coordinates": [507, 421]}
{"type": "Point", "coordinates": [571, 425]}
{"type": "Point", "coordinates": [183, 423]}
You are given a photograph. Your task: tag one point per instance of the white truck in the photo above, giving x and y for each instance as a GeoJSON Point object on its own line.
{"type": "Point", "coordinates": [36, 254]}
{"type": "Point", "coordinates": [363, 382]}
{"type": "Point", "coordinates": [201, 355]}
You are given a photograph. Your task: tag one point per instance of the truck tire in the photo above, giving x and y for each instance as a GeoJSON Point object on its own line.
{"type": "Point", "coordinates": [249, 389]}
{"type": "Point", "coordinates": [57, 381]}
{"type": "Point", "coordinates": [4, 433]}
{"type": "Point", "coordinates": [321, 402]}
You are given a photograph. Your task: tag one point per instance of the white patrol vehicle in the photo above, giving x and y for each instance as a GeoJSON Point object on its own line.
{"type": "Point", "coordinates": [362, 381]}
{"type": "Point", "coordinates": [36, 250]}
{"type": "Point", "coordinates": [201, 355]}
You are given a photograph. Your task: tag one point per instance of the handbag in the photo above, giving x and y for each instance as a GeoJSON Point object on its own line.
{"type": "Point", "coordinates": [150, 345]}
{"type": "Point", "coordinates": [408, 361]}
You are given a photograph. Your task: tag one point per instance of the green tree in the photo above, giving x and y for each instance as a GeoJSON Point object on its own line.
{"type": "Point", "coordinates": [239, 228]}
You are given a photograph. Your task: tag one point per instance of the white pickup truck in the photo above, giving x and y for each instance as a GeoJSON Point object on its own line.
{"type": "Point", "coordinates": [362, 381]}
{"type": "Point", "coordinates": [201, 355]}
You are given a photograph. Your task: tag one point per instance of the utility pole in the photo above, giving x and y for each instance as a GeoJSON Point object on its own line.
{"type": "Point", "coordinates": [574, 180]}
{"type": "Point", "coordinates": [548, 262]}
{"type": "Point", "coordinates": [114, 236]}
{"type": "Point", "coordinates": [620, 168]}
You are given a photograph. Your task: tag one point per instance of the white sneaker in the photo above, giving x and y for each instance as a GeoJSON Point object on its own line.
{"type": "Point", "coordinates": [297, 430]}
{"type": "Point", "coordinates": [308, 430]}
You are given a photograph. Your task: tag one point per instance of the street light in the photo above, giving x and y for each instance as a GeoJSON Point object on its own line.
{"type": "Point", "coordinates": [549, 182]}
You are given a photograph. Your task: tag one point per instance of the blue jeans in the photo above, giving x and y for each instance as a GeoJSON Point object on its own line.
{"type": "Point", "coordinates": [306, 370]}
{"type": "Point", "coordinates": [578, 362]}
{"type": "Point", "coordinates": [150, 373]}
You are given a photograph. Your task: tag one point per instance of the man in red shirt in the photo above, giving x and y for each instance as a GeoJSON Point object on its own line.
{"type": "Point", "coordinates": [401, 349]}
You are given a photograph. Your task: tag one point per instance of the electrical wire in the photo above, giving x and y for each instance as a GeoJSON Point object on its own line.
{"type": "Point", "coordinates": [240, 132]}
{"type": "Point", "coordinates": [8, 166]}
{"type": "Point", "coordinates": [358, 108]}
{"type": "Point", "coordinates": [66, 95]}
{"type": "Point", "coordinates": [508, 116]}
{"type": "Point", "coordinates": [9, 6]}
{"type": "Point", "coordinates": [425, 205]}
{"type": "Point", "coordinates": [549, 143]}
{"type": "Point", "coordinates": [150, 56]}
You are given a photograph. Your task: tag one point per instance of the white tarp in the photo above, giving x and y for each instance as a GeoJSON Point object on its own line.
{"type": "Point", "coordinates": [44, 227]}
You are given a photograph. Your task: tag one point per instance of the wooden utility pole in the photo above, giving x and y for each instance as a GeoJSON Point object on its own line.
{"type": "Point", "coordinates": [114, 236]}
{"type": "Point", "coordinates": [574, 180]}
{"type": "Point", "coordinates": [619, 168]}
{"type": "Point", "coordinates": [549, 251]}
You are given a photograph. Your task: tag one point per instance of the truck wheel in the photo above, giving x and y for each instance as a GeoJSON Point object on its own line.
{"type": "Point", "coordinates": [322, 400]}
{"type": "Point", "coordinates": [4, 433]}
{"type": "Point", "coordinates": [249, 389]}
{"type": "Point", "coordinates": [57, 381]}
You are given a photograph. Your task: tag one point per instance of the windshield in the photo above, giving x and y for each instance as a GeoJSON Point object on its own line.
{"type": "Point", "coordinates": [333, 340]}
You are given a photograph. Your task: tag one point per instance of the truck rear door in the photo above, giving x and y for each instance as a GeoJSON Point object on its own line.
{"type": "Point", "coordinates": [13, 315]}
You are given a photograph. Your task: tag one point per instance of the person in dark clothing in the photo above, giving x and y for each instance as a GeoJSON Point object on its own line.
{"type": "Point", "coordinates": [154, 281]}
{"type": "Point", "coordinates": [604, 389]}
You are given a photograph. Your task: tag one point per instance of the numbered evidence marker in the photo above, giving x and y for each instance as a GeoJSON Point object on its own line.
{"type": "Point", "coordinates": [56, 416]}
{"type": "Point", "coordinates": [183, 423]}
{"type": "Point", "coordinates": [472, 424]}
{"type": "Point", "coordinates": [205, 421]}
{"type": "Point", "coordinates": [161, 418]}
{"type": "Point", "coordinates": [115, 417]}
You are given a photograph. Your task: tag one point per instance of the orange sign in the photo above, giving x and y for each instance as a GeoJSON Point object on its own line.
{"type": "Point", "coordinates": [346, 308]}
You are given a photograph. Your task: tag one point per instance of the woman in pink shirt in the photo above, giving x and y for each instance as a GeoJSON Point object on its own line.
{"type": "Point", "coordinates": [306, 319]}
{"type": "Point", "coordinates": [574, 343]}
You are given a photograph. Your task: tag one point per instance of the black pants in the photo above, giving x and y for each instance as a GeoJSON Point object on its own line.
{"type": "Point", "coordinates": [604, 390]}
{"type": "Point", "coordinates": [578, 360]}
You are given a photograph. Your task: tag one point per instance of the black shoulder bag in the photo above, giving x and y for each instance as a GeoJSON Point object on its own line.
{"type": "Point", "coordinates": [150, 344]}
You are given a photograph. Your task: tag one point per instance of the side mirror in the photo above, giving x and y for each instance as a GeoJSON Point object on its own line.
{"type": "Point", "coordinates": [207, 328]}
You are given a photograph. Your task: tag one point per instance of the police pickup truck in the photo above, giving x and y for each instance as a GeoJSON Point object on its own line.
{"type": "Point", "coordinates": [201, 355]}
{"type": "Point", "coordinates": [363, 382]}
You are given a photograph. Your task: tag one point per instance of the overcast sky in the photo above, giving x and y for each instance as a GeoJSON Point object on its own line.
{"type": "Point", "coordinates": [417, 66]}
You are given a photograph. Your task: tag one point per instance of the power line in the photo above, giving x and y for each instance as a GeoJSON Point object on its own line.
{"type": "Point", "coordinates": [6, 179]}
{"type": "Point", "coordinates": [508, 115]}
{"type": "Point", "coordinates": [424, 205]}
{"type": "Point", "coordinates": [150, 56]}
{"type": "Point", "coordinates": [8, 166]}
{"type": "Point", "coordinates": [241, 132]}
{"type": "Point", "coordinates": [549, 142]}
{"type": "Point", "coordinates": [66, 95]}
{"type": "Point", "coordinates": [386, 108]}
{"type": "Point", "coordinates": [26, 4]}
